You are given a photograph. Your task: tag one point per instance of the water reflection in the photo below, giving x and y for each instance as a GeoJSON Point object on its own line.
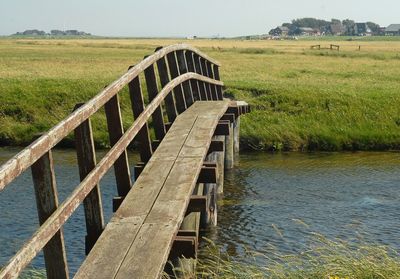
{"type": "Point", "coordinates": [277, 199]}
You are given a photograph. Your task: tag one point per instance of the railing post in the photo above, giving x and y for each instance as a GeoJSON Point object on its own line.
{"type": "Point", "coordinates": [143, 137]}
{"type": "Point", "coordinates": [219, 88]}
{"type": "Point", "coordinates": [116, 131]}
{"type": "Point", "coordinates": [86, 163]}
{"type": "Point", "coordinates": [198, 70]}
{"type": "Point", "coordinates": [204, 72]}
{"type": "Point", "coordinates": [152, 90]}
{"type": "Point", "coordinates": [194, 84]}
{"type": "Point", "coordinates": [211, 75]}
{"type": "Point", "coordinates": [183, 69]}
{"type": "Point", "coordinates": [47, 202]}
{"type": "Point", "coordinates": [164, 79]}
{"type": "Point", "coordinates": [173, 69]}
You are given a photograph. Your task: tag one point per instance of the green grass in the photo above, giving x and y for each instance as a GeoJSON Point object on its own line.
{"type": "Point", "coordinates": [322, 258]}
{"type": "Point", "coordinates": [301, 99]}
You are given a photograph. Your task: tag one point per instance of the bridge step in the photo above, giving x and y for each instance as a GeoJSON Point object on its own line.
{"type": "Point", "coordinates": [137, 241]}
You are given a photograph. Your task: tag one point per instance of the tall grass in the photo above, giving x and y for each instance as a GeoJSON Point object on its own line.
{"type": "Point", "coordinates": [301, 99]}
{"type": "Point", "coordinates": [321, 259]}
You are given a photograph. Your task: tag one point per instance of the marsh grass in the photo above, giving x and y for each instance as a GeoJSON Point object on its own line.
{"type": "Point", "coordinates": [301, 99]}
{"type": "Point", "coordinates": [321, 259]}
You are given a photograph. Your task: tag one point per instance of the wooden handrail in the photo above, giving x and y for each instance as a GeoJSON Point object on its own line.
{"type": "Point", "coordinates": [54, 223]}
{"type": "Point", "coordinates": [24, 159]}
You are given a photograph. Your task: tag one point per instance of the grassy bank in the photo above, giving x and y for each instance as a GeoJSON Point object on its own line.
{"type": "Point", "coordinates": [301, 99]}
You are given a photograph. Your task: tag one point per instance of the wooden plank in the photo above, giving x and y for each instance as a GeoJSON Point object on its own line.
{"type": "Point", "coordinates": [115, 132]}
{"type": "Point", "coordinates": [202, 85]}
{"type": "Point", "coordinates": [152, 244]}
{"type": "Point", "coordinates": [152, 90]}
{"type": "Point", "coordinates": [143, 136]}
{"type": "Point", "coordinates": [111, 248]}
{"type": "Point", "coordinates": [164, 80]}
{"type": "Point", "coordinates": [183, 69]}
{"type": "Point", "coordinates": [217, 77]}
{"type": "Point", "coordinates": [191, 68]}
{"type": "Point", "coordinates": [178, 91]}
{"type": "Point", "coordinates": [92, 203]}
{"type": "Point", "coordinates": [47, 202]}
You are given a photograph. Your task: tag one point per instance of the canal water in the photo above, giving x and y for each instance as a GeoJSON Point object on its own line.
{"type": "Point", "coordinates": [268, 200]}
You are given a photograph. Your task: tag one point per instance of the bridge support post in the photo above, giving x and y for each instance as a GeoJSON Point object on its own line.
{"type": "Point", "coordinates": [236, 135]}
{"type": "Point", "coordinates": [229, 149]}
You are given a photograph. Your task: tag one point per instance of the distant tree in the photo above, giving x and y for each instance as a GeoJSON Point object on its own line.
{"type": "Point", "coordinates": [375, 28]}
{"type": "Point", "coordinates": [350, 26]}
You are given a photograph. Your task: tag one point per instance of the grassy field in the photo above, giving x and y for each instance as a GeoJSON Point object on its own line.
{"type": "Point", "coordinates": [302, 99]}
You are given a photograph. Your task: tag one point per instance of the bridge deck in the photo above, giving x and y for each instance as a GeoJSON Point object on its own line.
{"type": "Point", "coordinates": [137, 240]}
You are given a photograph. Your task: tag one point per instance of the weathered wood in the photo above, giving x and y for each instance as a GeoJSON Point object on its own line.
{"type": "Point", "coordinates": [236, 135]}
{"type": "Point", "coordinates": [47, 202]}
{"type": "Point", "coordinates": [229, 116]}
{"type": "Point", "coordinates": [198, 70]}
{"type": "Point", "coordinates": [159, 198]}
{"type": "Point", "coordinates": [191, 68]}
{"type": "Point", "coordinates": [219, 159]}
{"type": "Point", "coordinates": [216, 145]}
{"type": "Point", "coordinates": [71, 203]}
{"type": "Point", "coordinates": [23, 160]}
{"type": "Point", "coordinates": [208, 175]}
{"type": "Point", "coordinates": [86, 163]}
{"type": "Point", "coordinates": [197, 203]}
{"type": "Point", "coordinates": [178, 90]}
{"type": "Point", "coordinates": [229, 149]}
{"type": "Point", "coordinates": [217, 77]}
{"type": "Point", "coordinates": [115, 132]}
{"type": "Point", "coordinates": [211, 75]}
{"type": "Point", "coordinates": [152, 90]}
{"type": "Point", "coordinates": [164, 80]}
{"type": "Point", "coordinates": [143, 136]}
{"type": "Point", "coordinates": [183, 69]}
{"type": "Point", "coordinates": [204, 71]}
{"type": "Point", "coordinates": [222, 128]}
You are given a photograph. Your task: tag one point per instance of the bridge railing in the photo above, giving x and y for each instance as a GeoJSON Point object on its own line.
{"type": "Point", "coordinates": [186, 75]}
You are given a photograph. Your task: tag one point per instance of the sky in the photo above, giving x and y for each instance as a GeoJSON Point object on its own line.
{"type": "Point", "coordinates": [181, 18]}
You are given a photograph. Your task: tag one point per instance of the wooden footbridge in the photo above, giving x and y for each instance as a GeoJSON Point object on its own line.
{"type": "Point", "coordinates": [187, 135]}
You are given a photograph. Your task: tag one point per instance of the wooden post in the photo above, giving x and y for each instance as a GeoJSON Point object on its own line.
{"type": "Point", "coordinates": [236, 135]}
{"type": "Point", "coordinates": [143, 137]}
{"type": "Point", "coordinates": [183, 69]}
{"type": "Point", "coordinates": [219, 158]}
{"type": "Point", "coordinates": [194, 83]}
{"type": "Point", "coordinates": [152, 90]}
{"type": "Point", "coordinates": [115, 132]}
{"type": "Point", "coordinates": [204, 72]}
{"type": "Point", "coordinates": [47, 202]}
{"type": "Point", "coordinates": [178, 91]}
{"type": "Point", "coordinates": [164, 79]}
{"type": "Point", "coordinates": [229, 149]}
{"type": "Point", "coordinates": [219, 88]}
{"type": "Point", "coordinates": [210, 191]}
{"type": "Point", "coordinates": [86, 163]}
{"type": "Point", "coordinates": [211, 75]}
{"type": "Point", "coordinates": [198, 70]}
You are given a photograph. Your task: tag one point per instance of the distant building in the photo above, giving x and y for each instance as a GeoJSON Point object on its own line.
{"type": "Point", "coordinates": [279, 31]}
{"type": "Point", "coordinates": [308, 31]}
{"type": "Point", "coordinates": [337, 29]}
{"type": "Point", "coordinates": [362, 29]}
{"type": "Point", "coordinates": [393, 30]}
